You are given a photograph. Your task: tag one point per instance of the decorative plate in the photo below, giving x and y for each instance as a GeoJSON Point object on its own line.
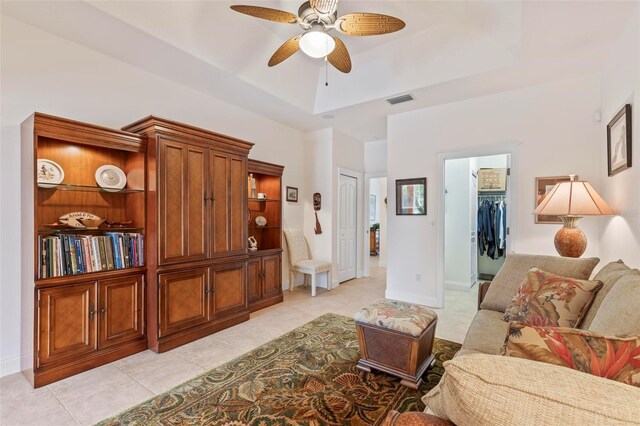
{"type": "Point", "coordinates": [72, 218]}
{"type": "Point", "coordinates": [49, 173]}
{"type": "Point", "coordinates": [110, 177]}
{"type": "Point", "coordinates": [261, 221]}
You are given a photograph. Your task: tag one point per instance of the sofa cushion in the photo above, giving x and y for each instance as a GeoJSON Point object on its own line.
{"type": "Point", "coordinates": [490, 390]}
{"type": "Point", "coordinates": [547, 299]}
{"type": "Point", "coordinates": [486, 333]}
{"type": "Point", "coordinates": [619, 312]}
{"type": "Point", "coordinates": [616, 358]}
{"type": "Point", "coordinates": [608, 275]}
{"type": "Point", "coordinates": [515, 267]}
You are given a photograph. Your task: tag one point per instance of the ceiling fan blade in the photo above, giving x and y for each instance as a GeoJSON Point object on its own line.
{"type": "Point", "coordinates": [274, 15]}
{"type": "Point", "coordinates": [340, 58]}
{"type": "Point", "coordinates": [287, 49]}
{"type": "Point", "coordinates": [324, 7]}
{"type": "Point", "coordinates": [366, 24]}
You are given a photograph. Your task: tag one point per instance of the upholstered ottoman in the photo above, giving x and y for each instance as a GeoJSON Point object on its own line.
{"type": "Point", "coordinates": [397, 338]}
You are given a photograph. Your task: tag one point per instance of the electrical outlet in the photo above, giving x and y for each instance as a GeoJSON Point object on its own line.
{"type": "Point", "coordinates": [418, 277]}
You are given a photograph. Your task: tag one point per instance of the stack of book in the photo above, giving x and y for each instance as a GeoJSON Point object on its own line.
{"type": "Point", "coordinates": [79, 254]}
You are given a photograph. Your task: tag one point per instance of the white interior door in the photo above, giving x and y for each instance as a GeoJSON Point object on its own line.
{"type": "Point", "coordinates": [473, 222]}
{"type": "Point", "coordinates": [347, 222]}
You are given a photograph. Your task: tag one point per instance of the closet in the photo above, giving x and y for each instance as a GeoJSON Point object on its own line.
{"type": "Point", "coordinates": [196, 216]}
{"type": "Point", "coordinates": [491, 222]}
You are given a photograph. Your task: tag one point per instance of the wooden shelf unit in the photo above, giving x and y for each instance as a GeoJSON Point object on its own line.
{"type": "Point", "coordinates": [75, 322]}
{"type": "Point", "coordinates": [264, 268]}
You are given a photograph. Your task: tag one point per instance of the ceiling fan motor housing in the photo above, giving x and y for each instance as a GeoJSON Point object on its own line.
{"type": "Point", "coordinates": [310, 16]}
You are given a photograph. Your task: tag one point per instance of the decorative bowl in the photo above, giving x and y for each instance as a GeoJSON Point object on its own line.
{"type": "Point", "coordinates": [91, 223]}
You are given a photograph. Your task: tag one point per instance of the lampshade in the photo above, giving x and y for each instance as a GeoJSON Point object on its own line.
{"type": "Point", "coordinates": [570, 201]}
{"type": "Point", "coordinates": [317, 43]}
{"type": "Point", "coordinates": [574, 198]}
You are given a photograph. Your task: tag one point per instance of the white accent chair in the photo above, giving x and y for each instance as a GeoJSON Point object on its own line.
{"type": "Point", "coordinates": [300, 260]}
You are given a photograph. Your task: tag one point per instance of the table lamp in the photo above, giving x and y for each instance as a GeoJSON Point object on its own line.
{"type": "Point", "coordinates": [570, 201]}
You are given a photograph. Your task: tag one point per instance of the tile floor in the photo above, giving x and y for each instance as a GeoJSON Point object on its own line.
{"type": "Point", "coordinates": [102, 392]}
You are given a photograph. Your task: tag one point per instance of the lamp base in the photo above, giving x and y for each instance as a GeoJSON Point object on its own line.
{"type": "Point", "coordinates": [570, 241]}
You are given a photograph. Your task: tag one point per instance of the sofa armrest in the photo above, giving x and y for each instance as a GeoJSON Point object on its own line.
{"type": "Point", "coordinates": [483, 287]}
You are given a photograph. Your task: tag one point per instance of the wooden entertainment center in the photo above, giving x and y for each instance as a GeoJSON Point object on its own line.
{"type": "Point", "coordinates": [184, 217]}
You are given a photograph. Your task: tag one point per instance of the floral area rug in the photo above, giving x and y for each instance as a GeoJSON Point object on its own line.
{"type": "Point", "coordinates": [305, 377]}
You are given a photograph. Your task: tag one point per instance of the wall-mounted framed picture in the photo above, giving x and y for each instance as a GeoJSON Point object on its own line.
{"type": "Point", "coordinates": [619, 141]}
{"type": "Point", "coordinates": [372, 207]}
{"type": "Point", "coordinates": [411, 197]}
{"type": "Point", "coordinates": [292, 194]}
{"type": "Point", "coordinates": [544, 185]}
{"type": "Point", "coordinates": [492, 180]}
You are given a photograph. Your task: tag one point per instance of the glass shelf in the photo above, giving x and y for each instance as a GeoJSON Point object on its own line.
{"type": "Point", "coordinates": [86, 188]}
{"type": "Point", "coordinates": [85, 230]}
{"type": "Point", "coordinates": [262, 200]}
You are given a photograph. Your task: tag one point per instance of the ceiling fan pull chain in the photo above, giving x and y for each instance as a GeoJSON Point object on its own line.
{"type": "Point", "coordinates": [326, 71]}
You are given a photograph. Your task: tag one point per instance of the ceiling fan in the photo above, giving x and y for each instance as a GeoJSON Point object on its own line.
{"type": "Point", "coordinates": [317, 18]}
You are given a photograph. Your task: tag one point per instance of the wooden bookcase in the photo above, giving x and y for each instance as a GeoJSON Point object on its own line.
{"type": "Point", "coordinates": [264, 268]}
{"type": "Point", "coordinates": [76, 321]}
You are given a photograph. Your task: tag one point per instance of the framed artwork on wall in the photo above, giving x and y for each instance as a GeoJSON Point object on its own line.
{"type": "Point", "coordinates": [619, 141]}
{"type": "Point", "coordinates": [492, 180]}
{"type": "Point", "coordinates": [292, 194]}
{"type": "Point", "coordinates": [411, 196]}
{"type": "Point", "coordinates": [544, 185]}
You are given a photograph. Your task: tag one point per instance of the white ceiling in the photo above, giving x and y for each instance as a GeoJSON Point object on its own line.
{"type": "Point", "coordinates": [449, 50]}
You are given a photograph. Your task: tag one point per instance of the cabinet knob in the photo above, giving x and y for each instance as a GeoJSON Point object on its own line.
{"type": "Point", "coordinates": [102, 311]}
{"type": "Point", "coordinates": [92, 312]}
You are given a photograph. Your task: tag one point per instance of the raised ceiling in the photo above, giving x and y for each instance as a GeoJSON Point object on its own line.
{"type": "Point", "coordinates": [448, 51]}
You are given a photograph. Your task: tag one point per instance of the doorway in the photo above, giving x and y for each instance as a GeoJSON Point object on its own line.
{"type": "Point", "coordinates": [476, 227]}
{"type": "Point", "coordinates": [348, 225]}
{"type": "Point", "coordinates": [377, 225]}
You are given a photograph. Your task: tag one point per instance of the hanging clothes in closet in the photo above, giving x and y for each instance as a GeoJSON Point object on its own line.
{"type": "Point", "coordinates": [492, 227]}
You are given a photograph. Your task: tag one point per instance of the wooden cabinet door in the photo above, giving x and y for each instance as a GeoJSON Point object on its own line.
{"type": "Point", "coordinates": [183, 198]}
{"type": "Point", "coordinates": [66, 322]}
{"type": "Point", "coordinates": [120, 309]}
{"type": "Point", "coordinates": [228, 289]}
{"type": "Point", "coordinates": [272, 284]}
{"type": "Point", "coordinates": [229, 208]}
{"type": "Point", "coordinates": [254, 279]}
{"type": "Point", "coordinates": [183, 300]}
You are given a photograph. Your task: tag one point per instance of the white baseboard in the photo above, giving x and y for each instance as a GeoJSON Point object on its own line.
{"type": "Point", "coordinates": [459, 286]}
{"type": "Point", "coordinates": [9, 366]}
{"type": "Point", "coordinates": [411, 298]}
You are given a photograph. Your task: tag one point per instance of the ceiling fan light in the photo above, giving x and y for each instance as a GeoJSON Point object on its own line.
{"type": "Point", "coordinates": [317, 43]}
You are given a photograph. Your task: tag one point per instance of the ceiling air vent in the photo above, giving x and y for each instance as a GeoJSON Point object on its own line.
{"type": "Point", "coordinates": [400, 99]}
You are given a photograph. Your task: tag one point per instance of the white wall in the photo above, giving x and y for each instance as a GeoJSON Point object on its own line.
{"type": "Point", "coordinates": [457, 254]}
{"type": "Point", "coordinates": [319, 164]}
{"type": "Point", "coordinates": [42, 72]}
{"type": "Point", "coordinates": [620, 238]}
{"type": "Point", "coordinates": [375, 156]}
{"type": "Point", "coordinates": [552, 123]}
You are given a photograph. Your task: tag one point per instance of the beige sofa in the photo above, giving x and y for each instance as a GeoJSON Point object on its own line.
{"type": "Point", "coordinates": [480, 387]}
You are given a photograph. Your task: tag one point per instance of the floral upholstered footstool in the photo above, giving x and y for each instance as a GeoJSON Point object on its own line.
{"type": "Point", "coordinates": [396, 338]}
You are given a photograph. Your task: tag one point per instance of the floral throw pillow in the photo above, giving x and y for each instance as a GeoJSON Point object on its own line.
{"type": "Point", "coordinates": [549, 300]}
{"type": "Point", "coordinates": [616, 358]}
